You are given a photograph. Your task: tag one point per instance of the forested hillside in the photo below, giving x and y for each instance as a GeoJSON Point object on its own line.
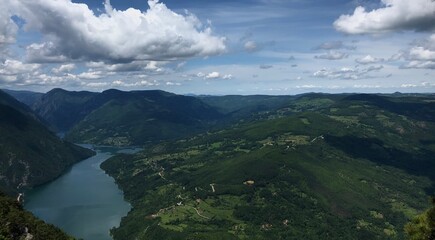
{"type": "Point", "coordinates": [30, 154]}
{"type": "Point", "coordinates": [18, 224]}
{"type": "Point", "coordinates": [323, 166]}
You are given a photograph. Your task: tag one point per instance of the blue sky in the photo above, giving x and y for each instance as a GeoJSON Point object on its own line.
{"type": "Point", "coordinates": [219, 47]}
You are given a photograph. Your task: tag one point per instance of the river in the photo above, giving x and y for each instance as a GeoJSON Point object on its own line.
{"type": "Point", "coordinates": [84, 202]}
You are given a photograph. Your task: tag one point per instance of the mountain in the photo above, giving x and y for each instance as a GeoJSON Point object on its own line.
{"type": "Point", "coordinates": [232, 104]}
{"type": "Point", "coordinates": [63, 109]}
{"type": "Point", "coordinates": [26, 97]}
{"type": "Point", "coordinates": [115, 117]}
{"type": "Point", "coordinates": [30, 154]}
{"type": "Point", "coordinates": [16, 223]}
{"type": "Point", "coordinates": [321, 167]}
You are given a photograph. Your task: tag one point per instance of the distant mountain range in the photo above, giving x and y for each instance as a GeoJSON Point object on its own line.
{"type": "Point", "coordinates": [115, 117]}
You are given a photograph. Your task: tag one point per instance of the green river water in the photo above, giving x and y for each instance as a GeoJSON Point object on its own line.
{"type": "Point", "coordinates": [84, 202]}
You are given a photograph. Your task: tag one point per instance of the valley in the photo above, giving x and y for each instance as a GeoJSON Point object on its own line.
{"type": "Point", "coordinates": [84, 201]}
{"type": "Point", "coordinates": [217, 120]}
{"type": "Point", "coordinates": [336, 166]}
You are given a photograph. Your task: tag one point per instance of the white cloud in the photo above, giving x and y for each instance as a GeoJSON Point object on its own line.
{"type": "Point", "coordinates": [347, 73]}
{"type": "Point", "coordinates": [421, 55]}
{"type": "Point", "coordinates": [250, 46]}
{"type": "Point", "coordinates": [227, 77]}
{"type": "Point", "coordinates": [122, 83]}
{"type": "Point", "coordinates": [64, 68]}
{"type": "Point", "coordinates": [366, 86]}
{"type": "Point", "coordinates": [46, 52]}
{"type": "Point", "coordinates": [395, 15]}
{"type": "Point", "coordinates": [332, 55]}
{"type": "Point", "coordinates": [16, 67]}
{"type": "Point", "coordinates": [13, 70]}
{"type": "Point", "coordinates": [308, 86]}
{"type": "Point", "coordinates": [8, 29]}
{"type": "Point", "coordinates": [213, 75]}
{"type": "Point", "coordinates": [408, 85]}
{"type": "Point", "coordinates": [420, 64]}
{"type": "Point", "coordinates": [173, 84]}
{"type": "Point", "coordinates": [115, 35]}
{"type": "Point", "coordinates": [91, 75]}
{"type": "Point", "coordinates": [153, 66]}
{"type": "Point", "coordinates": [44, 79]}
{"type": "Point", "coordinates": [96, 84]}
{"type": "Point", "coordinates": [368, 60]}
{"type": "Point", "coordinates": [134, 66]}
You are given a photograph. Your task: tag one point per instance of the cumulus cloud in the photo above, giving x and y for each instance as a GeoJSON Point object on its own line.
{"type": "Point", "coordinates": [91, 75]}
{"type": "Point", "coordinates": [8, 29]}
{"type": "Point", "coordinates": [96, 84]}
{"type": "Point", "coordinates": [200, 75]}
{"type": "Point", "coordinates": [173, 84]}
{"type": "Point", "coordinates": [227, 76]}
{"type": "Point", "coordinates": [251, 46]}
{"type": "Point", "coordinates": [332, 55]}
{"type": "Point", "coordinates": [368, 60]}
{"type": "Point", "coordinates": [13, 70]}
{"type": "Point", "coordinates": [308, 86]}
{"type": "Point", "coordinates": [395, 15]}
{"type": "Point", "coordinates": [142, 83]}
{"type": "Point", "coordinates": [64, 68]}
{"type": "Point", "coordinates": [115, 36]}
{"type": "Point", "coordinates": [347, 73]}
{"type": "Point", "coordinates": [134, 66]}
{"type": "Point", "coordinates": [366, 86]}
{"type": "Point", "coordinates": [421, 54]}
{"type": "Point", "coordinates": [420, 64]}
{"type": "Point", "coordinates": [213, 75]}
{"type": "Point", "coordinates": [46, 52]}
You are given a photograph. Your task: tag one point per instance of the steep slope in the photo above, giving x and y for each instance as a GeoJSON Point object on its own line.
{"type": "Point", "coordinates": [17, 224]}
{"type": "Point", "coordinates": [27, 97]}
{"type": "Point", "coordinates": [130, 118]}
{"type": "Point", "coordinates": [63, 109]}
{"type": "Point", "coordinates": [30, 154]}
{"type": "Point", "coordinates": [323, 167]}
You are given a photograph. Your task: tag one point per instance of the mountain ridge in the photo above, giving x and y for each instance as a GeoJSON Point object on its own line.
{"type": "Point", "coordinates": [30, 154]}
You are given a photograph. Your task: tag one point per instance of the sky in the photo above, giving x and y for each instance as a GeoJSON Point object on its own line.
{"type": "Point", "coordinates": [245, 47]}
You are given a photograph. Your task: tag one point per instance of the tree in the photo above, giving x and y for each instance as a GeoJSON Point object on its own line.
{"type": "Point", "coordinates": [422, 227]}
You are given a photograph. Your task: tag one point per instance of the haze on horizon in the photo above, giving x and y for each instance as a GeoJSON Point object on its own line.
{"type": "Point", "coordinates": [219, 47]}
